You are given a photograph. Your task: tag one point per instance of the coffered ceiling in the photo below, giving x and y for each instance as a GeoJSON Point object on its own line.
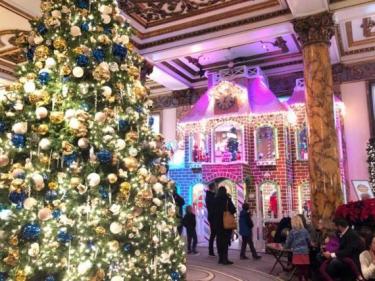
{"type": "Point", "coordinates": [185, 38]}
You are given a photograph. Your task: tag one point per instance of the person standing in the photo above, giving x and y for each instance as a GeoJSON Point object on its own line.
{"type": "Point", "coordinates": [367, 260]}
{"type": "Point", "coordinates": [210, 202]}
{"type": "Point", "coordinates": [222, 203]}
{"type": "Point", "coordinates": [180, 202]}
{"type": "Point", "coordinates": [190, 223]}
{"type": "Point", "coordinates": [246, 231]}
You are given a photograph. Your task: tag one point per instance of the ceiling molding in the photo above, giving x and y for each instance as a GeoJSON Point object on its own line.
{"type": "Point", "coordinates": [15, 10]}
{"type": "Point", "coordinates": [349, 36]}
{"type": "Point", "coordinates": [142, 46]}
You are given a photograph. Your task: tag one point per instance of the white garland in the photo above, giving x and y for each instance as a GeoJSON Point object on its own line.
{"type": "Point", "coordinates": [371, 162]}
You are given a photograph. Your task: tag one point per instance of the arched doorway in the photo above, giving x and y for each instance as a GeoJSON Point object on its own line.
{"type": "Point", "coordinates": [198, 202]}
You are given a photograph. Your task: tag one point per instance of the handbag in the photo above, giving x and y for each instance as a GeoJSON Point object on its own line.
{"type": "Point", "coordinates": [229, 221]}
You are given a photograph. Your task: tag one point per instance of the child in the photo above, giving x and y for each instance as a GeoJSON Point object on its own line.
{"type": "Point", "coordinates": [246, 231]}
{"type": "Point", "coordinates": [189, 222]}
{"type": "Point", "coordinates": [298, 241]}
{"type": "Point", "coordinates": [332, 244]}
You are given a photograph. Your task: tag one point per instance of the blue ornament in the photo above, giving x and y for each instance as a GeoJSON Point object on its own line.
{"type": "Point", "coordinates": [127, 247]}
{"type": "Point", "coordinates": [175, 276]}
{"type": "Point", "coordinates": [50, 195]}
{"type": "Point", "coordinates": [123, 125]}
{"type": "Point", "coordinates": [3, 276]}
{"type": "Point", "coordinates": [50, 278]}
{"type": "Point", "coordinates": [85, 106]}
{"type": "Point", "coordinates": [103, 191]}
{"type": "Point", "coordinates": [90, 244]}
{"type": "Point", "coordinates": [104, 156]}
{"type": "Point", "coordinates": [30, 53]}
{"type": "Point", "coordinates": [2, 127]}
{"type": "Point", "coordinates": [18, 140]}
{"type": "Point", "coordinates": [107, 29]}
{"type": "Point", "coordinates": [69, 159]}
{"type": "Point", "coordinates": [151, 121]}
{"type": "Point", "coordinates": [119, 51]}
{"type": "Point", "coordinates": [30, 232]}
{"type": "Point", "coordinates": [41, 28]}
{"type": "Point", "coordinates": [98, 54]}
{"type": "Point", "coordinates": [83, 4]}
{"type": "Point", "coordinates": [56, 214]}
{"type": "Point", "coordinates": [139, 108]}
{"type": "Point", "coordinates": [85, 27]}
{"type": "Point", "coordinates": [44, 78]}
{"type": "Point", "coordinates": [65, 79]}
{"type": "Point", "coordinates": [45, 176]}
{"type": "Point", "coordinates": [83, 60]}
{"type": "Point", "coordinates": [64, 237]}
{"type": "Point", "coordinates": [17, 198]}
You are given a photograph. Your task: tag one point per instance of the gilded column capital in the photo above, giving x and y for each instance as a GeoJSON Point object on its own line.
{"type": "Point", "coordinates": [317, 28]}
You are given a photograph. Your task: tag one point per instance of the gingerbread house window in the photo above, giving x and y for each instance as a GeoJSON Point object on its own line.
{"type": "Point", "coordinates": [304, 201]}
{"type": "Point", "coordinates": [266, 145]}
{"type": "Point", "coordinates": [228, 143]}
{"type": "Point", "coordinates": [270, 200]}
{"type": "Point", "coordinates": [198, 148]}
{"type": "Point", "coordinates": [302, 145]}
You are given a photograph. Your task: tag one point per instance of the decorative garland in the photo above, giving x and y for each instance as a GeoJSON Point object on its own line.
{"type": "Point", "coordinates": [371, 162]}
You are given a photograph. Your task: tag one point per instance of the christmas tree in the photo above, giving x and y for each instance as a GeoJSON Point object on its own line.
{"type": "Point", "coordinates": [84, 193]}
{"type": "Point", "coordinates": [371, 162]}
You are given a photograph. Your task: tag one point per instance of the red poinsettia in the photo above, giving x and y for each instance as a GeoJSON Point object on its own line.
{"type": "Point", "coordinates": [357, 212]}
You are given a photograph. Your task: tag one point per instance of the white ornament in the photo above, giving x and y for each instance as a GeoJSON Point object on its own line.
{"type": "Point", "coordinates": [106, 19]}
{"type": "Point", "coordinates": [83, 143]}
{"type": "Point", "coordinates": [29, 87]}
{"type": "Point", "coordinates": [18, 106]}
{"type": "Point", "coordinates": [93, 179]}
{"type": "Point", "coordinates": [100, 117]}
{"type": "Point", "coordinates": [83, 267]}
{"type": "Point", "coordinates": [82, 189]}
{"type": "Point", "coordinates": [50, 62]}
{"type": "Point", "coordinates": [38, 40]}
{"type": "Point", "coordinates": [133, 151]}
{"type": "Point", "coordinates": [5, 215]}
{"type": "Point", "coordinates": [44, 143]}
{"type": "Point", "coordinates": [38, 181]}
{"type": "Point", "coordinates": [117, 278]}
{"type": "Point", "coordinates": [20, 128]}
{"type": "Point", "coordinates": [157, 202]}
{"type": "Point", "coordinates": [45, 214]}
{"type": "Point", "coordinates": [41, 112]}
{"type": "Point", "coordinates": [143, 172]}
{"type": "Point", "coordinates": [120, 144]}
{"type": "Point", "coordinates": [115, 209]}
{"type": "Point", "coordinates": [56, 14]}
{"type": "Point", "coordinates": [105, 9]}
{"type": "Point", "coordinates": [115, 228]}
{"type": "Point", "coordinates": [78, 72]}
{"type": "Point", "coordinates": [75, 31]}
{"type": "Point", "coordinates": [163, 179]}
{"type": "Point", "coordinates": [107, 91]}
{"type": "Point", "coordinates": [113, 66]}
{"type": "Point", "coordinates": [74, 123]}
{"type": "Point", "coordinates": [69, 114]}
{"type": "Point", "coordinates": [29, 203]}
{"type": "Point", "coordinates": [34, 250]}
{"type": "Point", "coordinates": [4, 160]}
{"type": "Point", "coordinates": [158, 187]}
{"type": "Point", "coordinates": [182, 268]}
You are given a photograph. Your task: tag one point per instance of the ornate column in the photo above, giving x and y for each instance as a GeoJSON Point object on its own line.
{"type": "Point", "coordinates": [315, 33]}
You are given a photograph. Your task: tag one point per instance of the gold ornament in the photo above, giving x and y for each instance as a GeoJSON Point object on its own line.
{"type": "Point", "coordinates": [60, 44]}
{"type": "Point", "coordinates": [132, 136]}
{"type": "Point", "coordinates": [30, 76]}
{"type": "Point", "coordinates": [20, 275]}
{"type": "Point", "coordinates": [53, 185]}
{"type": "Point", "coordinates": [104, 39]}
{"type": "Point", "coordinates": [43, 159]}
{"type": "Point", "coordinates": [67, 147]}
{"type": "Point", "coordinates": [139, 91]}
{"type": "Point", "coordinates": [12, 258]}
{"type": "Point", "coordinates": [101, 73]}
{"type": "Point", "coordinates": [100, 230]}
{"type": "Point", "coordinates": [52, 22]}
{"type": "Point", "coordinates": [99, 276]}
{"type": "Point", "coordinates": [41, 52]}
{"type": "Point", "coordinates": [46, 6]}
{"type": "Point", "coordinates": [120, 86]}
{"type": "Point", "coordinates": [124, 191]}
{"type": "Point", "coordinates": [79, 50]}
{"type": "Point", "coordinates": [13, 240]}
{"type": "Point", "coordinates": [42, 129]}
{"type": "Point", "coordinates": [133, 71]}
{"type": "Point", "coordinates": [130, 46]}
{"type": "Point", "coordinates": [131, 163]}
{"type": "Point", "coordinates": [144, 198]}
{"type": "Point", "coordinates": [56, 117]}
{"type": "Point", "coordinates": [65, 70]}
{"type": "Point", "coordinates": [74, 182]}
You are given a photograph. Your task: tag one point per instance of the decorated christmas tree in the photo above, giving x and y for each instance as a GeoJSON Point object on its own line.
{"type": "Point", "coordinates": [84, 193]}
{"type": "Point", "coordinates": [371, 162]}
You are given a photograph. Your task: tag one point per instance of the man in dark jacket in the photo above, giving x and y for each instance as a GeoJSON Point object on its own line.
{"type": "Point", "coordinates": [350, 247]}
{"type": "Point", "coordinates": [246, 231]}
{"type": "Point", "coordinates": [180, 202]}
{"type": "Point", "coordinates": [210, 202]}
{"type": "Point", "coordinates": [190, 223]}
{"type": "Point", "coordinates": [222, 203]}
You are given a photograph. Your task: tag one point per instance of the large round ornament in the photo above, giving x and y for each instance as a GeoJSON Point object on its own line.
{"type": "Point", "coordinates": [83, 143]}
{"type": "Point", "coordinates": [78, 72]}
{"type": "Point", "coordinates": [30, 203]}
{"type": "Point", "coordinates": [41, 112]}
{"type": "Point", "coordinates": [38, 181]}
{"type": "Point", "coordinates": [20, 128]}
{"type": "Point", "coordinates": [4, 160]}
{"type": "Point", "coordinates": [45, 144]}
{"type": "Point", "coordinates": [45, 214]}
{"type": "Point", "coordinates": [30, 232]}
{"type": "Point", "coordinates": [93, 179]}
{"type": "Point", "coordinates": [115, 228]}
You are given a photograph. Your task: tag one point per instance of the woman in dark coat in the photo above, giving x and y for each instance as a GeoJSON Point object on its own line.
{"type": "Point", "coordinates": [222, 203]}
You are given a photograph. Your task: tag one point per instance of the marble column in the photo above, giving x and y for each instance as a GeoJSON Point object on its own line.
{"type": "Point", "coordinates": [314, 33]}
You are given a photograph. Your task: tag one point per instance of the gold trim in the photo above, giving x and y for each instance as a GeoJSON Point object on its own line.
{"type": "Point", "coordinates": [205, 20]}
{"type": "Point", "coordinates": [15, 10]}
{"type": "Point", "coordinates": [349, 34]}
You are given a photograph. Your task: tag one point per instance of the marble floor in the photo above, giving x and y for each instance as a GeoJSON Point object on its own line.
{"type": "Point", "coordinates": [201, 267]}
